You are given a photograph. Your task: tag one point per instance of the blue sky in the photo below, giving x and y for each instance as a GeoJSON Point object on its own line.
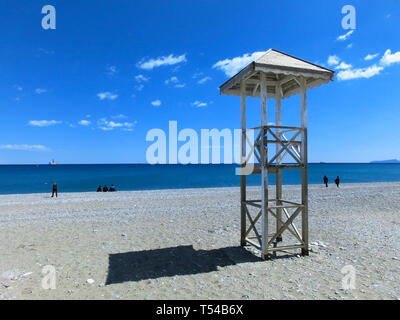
{"type": "Point", "coordinates": [89, 91]}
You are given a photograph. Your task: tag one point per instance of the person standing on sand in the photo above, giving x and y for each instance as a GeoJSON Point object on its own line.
{"type": "Point", "coordinates": [326, 181]}
{"type": "Point", "coordinates": [55, 190]}
{"type": "Point", "coordinates": [337, 181]}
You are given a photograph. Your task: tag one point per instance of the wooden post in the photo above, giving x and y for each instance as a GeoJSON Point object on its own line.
{"type": "Point", "coordinates": [243, 164]}
{"type": "Point", "coordinates": [304, 170]}
{"type": "Point", "coordinates": [278, 182]}
{"type": "Point", "coordinates": [264, 169]}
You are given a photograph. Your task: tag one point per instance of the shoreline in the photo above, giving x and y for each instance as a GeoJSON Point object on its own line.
{"type": "Point", "coordinates": [271, 186]}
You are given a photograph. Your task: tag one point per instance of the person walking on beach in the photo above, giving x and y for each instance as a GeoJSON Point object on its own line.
{"type": "Point", "coordinates": [337, 181]}
{"type": "Point", "coordinates": [55, 190]}
{"type": "Point", "coordinates": [326, 181]}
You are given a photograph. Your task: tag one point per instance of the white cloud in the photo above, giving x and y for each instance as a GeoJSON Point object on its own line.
{"type": "Point", "coordinates": [84, 122]}
{"type": "Point", "coordinates": [43, 123]}
{"type": "Point", "coordinates": [350, 73]}
{"type": "Point", "coordinates": [371, 56]}
{"type": "Point", "coordinates": [44, 51]}
{"type": "Point", "coordinates": [203, 80]}
{"type": "Point", "coordinates": [197, 75]}
{"type": "Point", "coordinates": [333, 60]}
{"type": "Point", "coordinates": [139, 87]}
{"type": "Point", "coordinates": [345, 36]}
{"type": "Point", "coordinates": [171, 80]}
{"type": "Point", "coordinates": [107, 95]}
{"type": "Point", "coordinates": [349, 46]}
{"type": "Point", "coordinates": [389, 58]}
{"type": "Point", "coordinates": [19, 88]}
{"type": "Point", "coordinates": [343, 66]}
{"type": "Point", "coordinates": [161, 61]}
{"type": "Point", "coordinates": [141, 78]}
{"type": "Point", "coordinates": [156, 103]}
{"type": "Point", "coordinates": [174, 80]}
{"type": "Point", "coordinates": [106, 125]}
{"type": "Point", "coordinates": [111, 70]}
{"type": "Point", "coordinates": [199, 104]}
{"type": "Point", "coordinates": [234, 65]}
{"type": "Point", "coordinates": [24, 147]}
{"type": "Point", "coordinates": [40, 91]}
{"type": "Point", "coordinates": [360, 73]}
{"type": "Point", "coordinates": [119, 116]}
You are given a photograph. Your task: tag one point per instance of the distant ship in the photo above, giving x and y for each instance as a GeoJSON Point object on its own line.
{"type": "Point", "coordinates": [52, 163]}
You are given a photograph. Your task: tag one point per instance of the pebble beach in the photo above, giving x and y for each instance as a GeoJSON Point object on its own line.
{"type": "Point", "coordinates": [185, 244]}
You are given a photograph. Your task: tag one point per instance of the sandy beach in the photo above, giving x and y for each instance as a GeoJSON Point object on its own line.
{"type": "Point", "coordinates": [184, 244]}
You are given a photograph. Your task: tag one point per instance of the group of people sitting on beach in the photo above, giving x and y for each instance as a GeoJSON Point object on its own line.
{"type": "Point", "coordinates": [106, 189]}
{"type": "Point", "coordinates": [337, 181]}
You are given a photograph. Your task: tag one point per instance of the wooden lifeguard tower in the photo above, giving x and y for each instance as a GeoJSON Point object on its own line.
{"type": "Point", "coordinates": [275, 75]}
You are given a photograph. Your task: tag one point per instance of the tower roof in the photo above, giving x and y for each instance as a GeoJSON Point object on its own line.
{"type": "Point", "coordinates": [281, 69]}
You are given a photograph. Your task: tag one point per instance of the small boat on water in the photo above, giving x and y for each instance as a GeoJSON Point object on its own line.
{"type": "Point", "coordinates": [52, 163]}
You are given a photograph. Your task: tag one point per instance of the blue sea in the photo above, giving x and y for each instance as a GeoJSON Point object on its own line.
{"type": "Point", "coordinates": [87, 177]}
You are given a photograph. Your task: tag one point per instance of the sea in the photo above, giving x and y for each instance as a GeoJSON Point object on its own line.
{"type": "Point", "coordinates": [22, 179]}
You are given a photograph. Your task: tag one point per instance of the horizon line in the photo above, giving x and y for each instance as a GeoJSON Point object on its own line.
{"type": "Point", "coordinates": [133, 163]}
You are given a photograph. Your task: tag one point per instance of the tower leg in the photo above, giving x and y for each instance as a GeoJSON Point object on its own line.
{"type": "Point", "coordinates": [264, 169]}
{"type": "Point", "coordinates": [278, 116]}
{"type": "Point", "coordinates": [304, 170]}
{"type": "Point", "coordinates": [243, 164]}
{"type": "Point", "coordinates": [304, 214]}
{"type": "Point", "coordinates": [279, 198]}
{"type": "Point", "coordinates": [242, 210]}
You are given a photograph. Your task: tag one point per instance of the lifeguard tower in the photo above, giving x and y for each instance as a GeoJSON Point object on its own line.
{"type": "Point", "coordinates": [275, 75]}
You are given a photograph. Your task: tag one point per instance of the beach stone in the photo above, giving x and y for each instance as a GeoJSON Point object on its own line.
{"type": "Point", "coordinates": [9, 274]}
{"type": "Point", "coordinates": [90, 281]}
{"type": "Point", "coordinates": [315, 277]}
{"type": "Point", "coordinates": [26, 274]}
{"type": "Point", "coordinates": [27, 291]}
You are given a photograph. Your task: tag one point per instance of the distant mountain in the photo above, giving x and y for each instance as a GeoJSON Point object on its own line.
{"type": "Point", "coordinates": [387, 161]}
